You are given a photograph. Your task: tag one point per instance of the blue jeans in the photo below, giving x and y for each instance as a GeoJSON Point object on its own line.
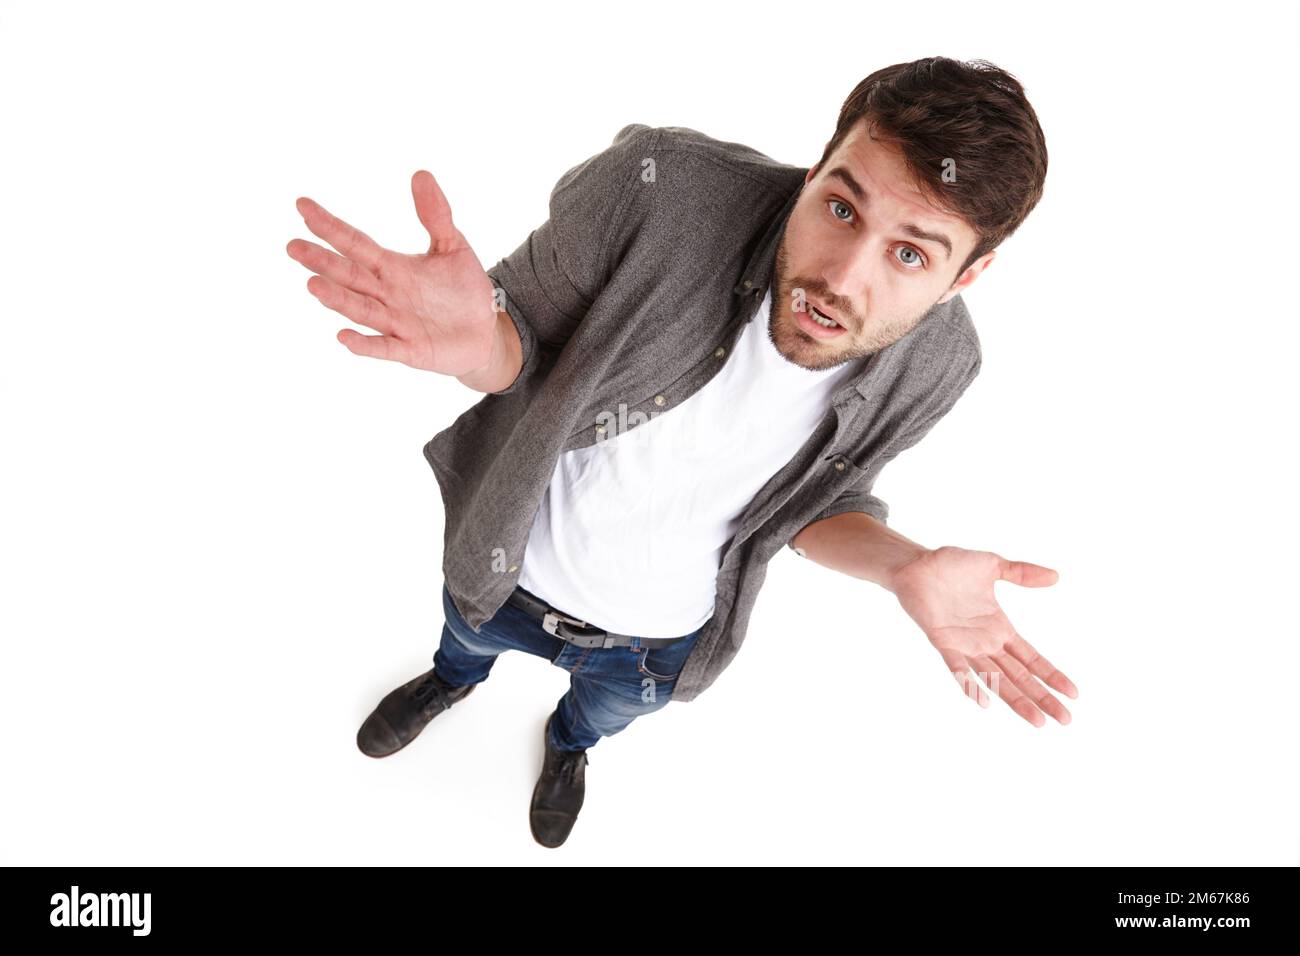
{"type": "Point", "coordinates": [609, 687]}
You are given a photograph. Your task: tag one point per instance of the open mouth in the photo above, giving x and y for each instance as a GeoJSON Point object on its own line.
{"type": "Point", "coordinates": [823, 320]}
{"type": "Point", "coordinates": [818, 324]}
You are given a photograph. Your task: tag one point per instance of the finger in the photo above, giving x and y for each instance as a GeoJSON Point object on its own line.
{"type": "Point", "coordinates": [333, 266]}
{"type": "Point", "coordinates": [1040, 666]}
{"type": "Point", "coordinates": [361, 309]}
{"type": "Point", "coordinates": [1002, 685]}
{"type": "Point", "coordinates": [1035, 691]}
{"type": "Point", "coordinates": [960, 671]}
{"type": "Point", "coordinates": [373, 346]}
{"type": "Point", "coordinates": [347, 239]}
{"type": "Point", "coordinates": [1027, 575]}
{"type": "Point", "coordinates": [434, 212]}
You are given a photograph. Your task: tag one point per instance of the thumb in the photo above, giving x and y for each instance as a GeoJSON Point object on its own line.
{"type": "Point", "coordinates": [1028, 575]}
{"type": "Point", "coordinates": [432, 208]}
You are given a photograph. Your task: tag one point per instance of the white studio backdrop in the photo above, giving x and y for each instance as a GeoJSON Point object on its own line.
{"type": "Point", "coordinates": [222, 544]}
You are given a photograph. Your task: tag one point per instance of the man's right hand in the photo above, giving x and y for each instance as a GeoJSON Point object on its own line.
{"type": "Point", "coordinates": [434, 311]}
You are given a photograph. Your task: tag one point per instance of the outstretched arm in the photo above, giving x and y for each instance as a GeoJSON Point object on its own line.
{"type": "Point", "coordinates": [948, 591]}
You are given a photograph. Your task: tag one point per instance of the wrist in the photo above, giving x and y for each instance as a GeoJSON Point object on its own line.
{"type": "Point", "coordinates": [901, 555]}
{"type": "Point", "coordinates": [490, 376]}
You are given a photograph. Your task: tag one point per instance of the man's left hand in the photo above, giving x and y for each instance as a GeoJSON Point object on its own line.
{"type": "Point", "coordinates": [949, 593]}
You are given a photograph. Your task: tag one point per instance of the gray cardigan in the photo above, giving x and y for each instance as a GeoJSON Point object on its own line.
{"type": "Point", "coordinates": [627, 300]}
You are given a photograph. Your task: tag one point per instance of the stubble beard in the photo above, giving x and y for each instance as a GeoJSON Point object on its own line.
{"type": "Point", "coordinates": [797, 346]}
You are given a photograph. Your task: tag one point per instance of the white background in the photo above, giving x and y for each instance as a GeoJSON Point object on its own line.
{"type": "Point", "coordinates": [222, 544]}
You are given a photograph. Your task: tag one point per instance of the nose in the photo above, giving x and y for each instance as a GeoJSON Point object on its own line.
{"type": "Point", "coordinates": [850, 278]}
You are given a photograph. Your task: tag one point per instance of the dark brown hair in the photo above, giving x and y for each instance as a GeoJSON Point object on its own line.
{"type": "Point", "coordinates": [970, 117]}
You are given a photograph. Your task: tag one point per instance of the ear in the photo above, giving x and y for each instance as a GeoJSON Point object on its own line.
{"type": "Point", "coordinates": [811, 173]}
{"type": "Point", "coordinates": [970, 275]}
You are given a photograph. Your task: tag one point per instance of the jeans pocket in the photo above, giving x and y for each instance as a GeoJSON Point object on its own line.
{"type": "Point", "coordinates": [664, 663]}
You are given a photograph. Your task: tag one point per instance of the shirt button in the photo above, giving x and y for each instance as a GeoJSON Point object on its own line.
{"type": "Point", "coordinates": [747, 283]}
{"type": "Point", "coordinates": [719, 352]}
{"type": "Point", "coordinates": [659, 399]}
{"type": "Point", "coordinates": [839, 466]}
{"type": "Point", "coordinates": [513, 567]}
{"type": "Point", "coordinates": [600, 429]}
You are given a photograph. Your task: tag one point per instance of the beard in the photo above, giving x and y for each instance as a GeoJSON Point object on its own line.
{"type": "Point", "coordinates": [857, 341]}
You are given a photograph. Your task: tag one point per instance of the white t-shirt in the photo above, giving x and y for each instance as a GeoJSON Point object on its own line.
{"type": "Point", "coordinates": [629, 534]}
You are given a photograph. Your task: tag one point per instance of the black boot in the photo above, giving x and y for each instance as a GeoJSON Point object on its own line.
{"type": "Point", "coordinates": [404, 712]}
{"type": "Point", "coordinates": [557, 798]}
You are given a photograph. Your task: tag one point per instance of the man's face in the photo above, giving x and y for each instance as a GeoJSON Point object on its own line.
{"type": "Point", "coordinates": [867, 250]}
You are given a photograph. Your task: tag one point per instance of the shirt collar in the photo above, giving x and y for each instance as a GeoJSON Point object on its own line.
{"type": "Point", "coordinates": [761, 267]}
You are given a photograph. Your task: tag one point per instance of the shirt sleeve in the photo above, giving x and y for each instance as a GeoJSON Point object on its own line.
{"type": "Point", "coordinates": [858, 497]}
{"type": "Point", "coordinates": [549, 282]}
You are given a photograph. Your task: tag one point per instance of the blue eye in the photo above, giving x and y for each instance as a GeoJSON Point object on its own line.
{"type": "Point", "coordinates": [844, 213]}
{"type": "Point", "coordinates": [916, 263]}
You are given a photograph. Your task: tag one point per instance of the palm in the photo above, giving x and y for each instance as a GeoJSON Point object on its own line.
{"type": "Point", "coordinates": [949, 593]}
{"type": "Point", "coordinates": [427, 297]}
{"type": "Point", "coordinates": [433, 310]}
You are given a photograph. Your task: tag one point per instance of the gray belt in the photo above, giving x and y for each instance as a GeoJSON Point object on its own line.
{"type": "Point", "coordinates": [574, 631]}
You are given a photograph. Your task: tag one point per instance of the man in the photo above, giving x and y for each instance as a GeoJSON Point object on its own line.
{"type": "Point", "coordinates": [703, 356]}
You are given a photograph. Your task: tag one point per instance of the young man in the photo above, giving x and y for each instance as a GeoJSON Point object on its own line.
{"type": "Point", "coordinates": [701, 357]}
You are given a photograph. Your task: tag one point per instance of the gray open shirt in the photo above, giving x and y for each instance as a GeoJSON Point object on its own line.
{"type": "Point", "coordinates": [628, 299]}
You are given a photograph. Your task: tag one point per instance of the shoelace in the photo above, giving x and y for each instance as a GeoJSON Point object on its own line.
{"type": "Point", "coordinates": [570, 761]}
{"type": "Point", "coordinates": [429, 692]}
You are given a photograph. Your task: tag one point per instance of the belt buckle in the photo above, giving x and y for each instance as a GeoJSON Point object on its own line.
{"type": "Point", "coordinates": [551, 622]}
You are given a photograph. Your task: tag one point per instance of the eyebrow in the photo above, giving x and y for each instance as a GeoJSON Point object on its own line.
{"type": "Point", "coordinates": [911, 228]}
